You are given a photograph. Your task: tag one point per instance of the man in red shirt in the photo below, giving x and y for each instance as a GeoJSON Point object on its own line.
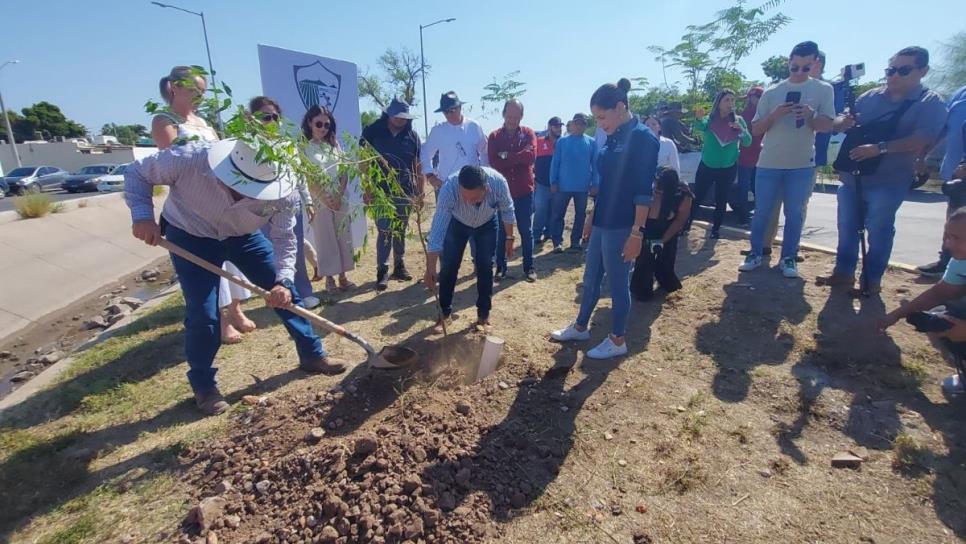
{"type": "Point", "coordinates": [747, 160]}
{"type": "Point", "coordinates": [541, 169]}
{"type": "Point", "coordinates": [512, 152]}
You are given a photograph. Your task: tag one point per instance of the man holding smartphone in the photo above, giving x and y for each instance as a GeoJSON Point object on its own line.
{"type": "Point", "coordinates": [789, 114]}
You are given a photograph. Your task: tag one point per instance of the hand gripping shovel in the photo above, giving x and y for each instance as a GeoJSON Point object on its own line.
{"type": "Point", "coordinates": [390, 357]}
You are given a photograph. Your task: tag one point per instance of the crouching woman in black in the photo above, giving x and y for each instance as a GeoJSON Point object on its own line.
{"type": "Point", "coordinates": [668, 214]}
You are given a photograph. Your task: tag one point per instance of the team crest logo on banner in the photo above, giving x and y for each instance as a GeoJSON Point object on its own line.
{"type": "Point", "coordinates": [317, 85]}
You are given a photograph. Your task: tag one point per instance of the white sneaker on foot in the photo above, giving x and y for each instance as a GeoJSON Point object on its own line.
{"type": "Point", "coordinates": [607, 349]}
{"type": "Point", "coordinates": [310, 302]}
{"type": "Point", "coordinates": [953, 385]}
{"type": "Point", "coordinates": [570, 333]}
{"type": "Point", "coordinates": [751, 262]}
{"type": "Point", "coordinates": [789, 267]}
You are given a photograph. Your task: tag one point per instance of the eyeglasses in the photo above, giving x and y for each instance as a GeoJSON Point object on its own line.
{"type": "Point", "coordinates": [268, 117]}
{"type": "Point", "coordinates": [452, 110]}
{"type": "Point", "coordinates": [323, 124]}
{"type": "Point", "coordinates": [903, 71]}
{"type": "Point", "coordinates": [795, 69]}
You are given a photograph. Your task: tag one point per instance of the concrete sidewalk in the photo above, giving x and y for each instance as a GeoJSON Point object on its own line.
{"type": "Point", "coordinates": [50, 262]}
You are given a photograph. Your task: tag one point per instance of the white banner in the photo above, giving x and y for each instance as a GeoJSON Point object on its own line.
{"type": "Point", "coordinates": [298, 81]}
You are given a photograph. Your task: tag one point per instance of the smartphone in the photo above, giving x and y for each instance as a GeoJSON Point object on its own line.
{"type": "Point", "coordinates": [732, 117]}
{"type": "Point", "coordinates": [794, 97]}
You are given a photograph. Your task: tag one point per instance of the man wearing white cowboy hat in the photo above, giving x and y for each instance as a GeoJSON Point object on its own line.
{"type": "Point", "coordinates": [220, 197]}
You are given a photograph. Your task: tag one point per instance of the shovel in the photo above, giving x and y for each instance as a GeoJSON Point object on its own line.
{"type": "Point", "coordinates": [390, 357]}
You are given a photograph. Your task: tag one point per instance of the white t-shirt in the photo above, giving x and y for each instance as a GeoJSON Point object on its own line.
{"type": "Point", "coordinates": [458, 146]}
{"type": "Point", "coordinates": [786, 145]}
{"type": "Point", "coordinates": [667, 155]}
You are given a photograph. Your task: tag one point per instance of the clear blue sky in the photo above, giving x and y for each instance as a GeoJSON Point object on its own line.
{"type": "Point", "coordinates": [100, 61]}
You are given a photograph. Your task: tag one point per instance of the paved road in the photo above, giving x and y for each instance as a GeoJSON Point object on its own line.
{"type": "Point", "coordinates": [57, 195]}
{"type": "Point", "coordinates": [919, 225]}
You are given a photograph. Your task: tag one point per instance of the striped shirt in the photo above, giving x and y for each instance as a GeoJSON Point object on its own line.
{"type": "Point", "coordinates": [450, 205]}
{"type": "Point", "coordinates": [201, 205]}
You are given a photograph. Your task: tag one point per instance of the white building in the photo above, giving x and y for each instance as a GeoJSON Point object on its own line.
{"type": "Point", "coordinates": [69, 155]}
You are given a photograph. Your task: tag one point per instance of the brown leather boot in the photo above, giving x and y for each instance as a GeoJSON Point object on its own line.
{"type": "Point", "coordinates": [211, 403]}
{"type": "Point", "coordinates": [323, 365]}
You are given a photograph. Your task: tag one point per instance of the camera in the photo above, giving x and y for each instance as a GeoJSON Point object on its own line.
{"type": "Point", "coordinates": [955, 189]}
{"type": "Point", "coordinates": [852, 71]}
{"type": "Point", "coordinates": [929, 322]}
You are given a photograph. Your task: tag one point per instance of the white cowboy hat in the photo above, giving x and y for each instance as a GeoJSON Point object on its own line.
{"type": "Point", "coordinates": [233, 161]}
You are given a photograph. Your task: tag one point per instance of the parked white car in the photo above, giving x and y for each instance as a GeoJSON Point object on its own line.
{"type": "Point", "coordinates": [113, 182]}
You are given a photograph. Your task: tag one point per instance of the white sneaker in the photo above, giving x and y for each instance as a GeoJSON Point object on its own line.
{"type": "Point", "coordinates": [789, 267]}
{"type": "Point", "coordinates": [310, 302]}
{"type": "Point", "coordinates": [570, 333]}
{"type": "Point", "coordinates": [607, 349]}
{"type": "Point", "coordinates": [953, 385]}
{"type": "Point", "coordinates": [751, 262]}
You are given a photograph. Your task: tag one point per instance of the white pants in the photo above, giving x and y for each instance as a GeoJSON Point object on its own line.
{"type": "Point", "coordinates": [228, 291]}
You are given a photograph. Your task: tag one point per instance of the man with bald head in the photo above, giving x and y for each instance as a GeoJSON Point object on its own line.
{"type": "Point", "coordinates": [512, 151]}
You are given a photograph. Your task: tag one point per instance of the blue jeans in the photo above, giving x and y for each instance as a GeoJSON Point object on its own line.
{"type": "Point", "coordinates": [605, 255]}
{"type": "Point", "coordinates": [740, 204]}
{"type": "Point", "coordinates": [457, 234]}
{"type": "Point", "coordinates": [881, 202]}
{"type": "Point", "coordinates": [561, 200]}
{"type": "Point", "coordinates": [386, 241]}
{"type": "Point", "coordinates": [254, 256]}
{"type": "Point", "coordinates": [795, 185]}
{"type": "Point", "coordinates": [523, 210]}
{"type": "Point", "coordinates": [542, 198]}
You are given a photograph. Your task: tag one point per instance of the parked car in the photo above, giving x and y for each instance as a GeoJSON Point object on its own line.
{"type": "Point", "coordinates": [83, 179]}
{"type": "Point", "coordinates": [113, 182]}
{"type": "Point", "coordinates": [4, 189]}
{"type": "Point", "coordinates": [34, 178]}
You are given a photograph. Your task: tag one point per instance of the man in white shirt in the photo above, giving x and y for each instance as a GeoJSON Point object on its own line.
{"type": "Point", "coordinates": [459, 141]}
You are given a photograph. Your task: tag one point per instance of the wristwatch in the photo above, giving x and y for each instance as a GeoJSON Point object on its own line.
{"type": "Point", "coordinates": [883, 148]}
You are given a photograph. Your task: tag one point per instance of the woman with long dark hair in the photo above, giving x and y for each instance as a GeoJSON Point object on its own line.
{"type": "Point", "coordinates": [331, 232]}
{"type": "Point", "coordinates": [666, 217]}
{"type": "Point", "coordinates": [626, 164]}
{"type": "Point", "coordinates": [668, 154]}
{"type": "Point", "coordinates": [723, 132]}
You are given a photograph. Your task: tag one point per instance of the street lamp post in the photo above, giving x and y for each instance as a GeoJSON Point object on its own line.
{"type": "Point", "coordinates": [6, 120]}
{"type": "Point", "coordinates": [204, 29]}
{"type": "Point", "coordinates": [422, 72]}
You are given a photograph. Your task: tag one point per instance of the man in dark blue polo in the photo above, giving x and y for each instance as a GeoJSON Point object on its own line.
{"type": "Point", "coordinates": [393, 137]}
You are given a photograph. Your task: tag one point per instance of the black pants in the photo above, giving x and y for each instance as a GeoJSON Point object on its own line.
{"type": "Point", "coordinates": [649, 267]}
{"type": "Point", "coordinates": [721, 178]}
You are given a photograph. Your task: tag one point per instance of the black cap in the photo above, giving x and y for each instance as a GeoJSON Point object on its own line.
{"type": "Point", "coordinates": [555, 121]}
{"type": "Point", "coordinates": [580, 118]}
{"type": "Point", "coordinates": [449, 101]}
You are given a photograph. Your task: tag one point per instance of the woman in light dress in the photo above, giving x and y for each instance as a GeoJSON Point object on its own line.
{"type": "Point", "coordinates": [182, 89]}
{"type": "Point", "coordinates": [330, 229]}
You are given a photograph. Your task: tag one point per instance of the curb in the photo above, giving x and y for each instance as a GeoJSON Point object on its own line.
{"type": "Point", "coordinates": [807, 245]}
{"type": "Point", "coordinates": [49, 374]}
{"type": "Point", "coordinates": [12, 215]}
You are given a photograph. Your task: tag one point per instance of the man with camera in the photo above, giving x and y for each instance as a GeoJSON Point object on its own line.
{"type": "Point", "coordinates": [945, 324]}
{"type": "Point", "coordinates": [903, 117]}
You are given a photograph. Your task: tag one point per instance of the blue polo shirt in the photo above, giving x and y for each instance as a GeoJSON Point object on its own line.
{"type": "Point", "coordinates": [626, 164]}
{"type": "Point", "coordinates": [925, 118]}
{"type": "Point", "coordinates": [955, 131]}
{"type": "Point", "coordinates": [822, 139]}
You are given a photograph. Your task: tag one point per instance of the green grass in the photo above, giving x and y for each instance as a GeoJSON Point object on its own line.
{"type": "Point", "coordinates": [80, 530]}
{"type": "Point", "coordinates": [33, 205]}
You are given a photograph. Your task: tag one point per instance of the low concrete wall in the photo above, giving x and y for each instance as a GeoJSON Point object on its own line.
{"type": "Point", "coordinates": [50, 262]}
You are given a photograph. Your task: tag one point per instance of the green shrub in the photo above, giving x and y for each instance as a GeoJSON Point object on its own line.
{"type": "Point", "coordinates": [36, 205]}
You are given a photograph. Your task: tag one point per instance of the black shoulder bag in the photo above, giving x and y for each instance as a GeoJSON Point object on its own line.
{"type": "Point", "coordinates": [880, 129]}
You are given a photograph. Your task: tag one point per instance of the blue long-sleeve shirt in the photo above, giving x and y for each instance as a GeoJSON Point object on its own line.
{"type": "Point", "coordinates": [451, 206]}
{"type": "Point", "coordinates": [574, 165]}
{"type": "Point", "coordinates": [627, 166]}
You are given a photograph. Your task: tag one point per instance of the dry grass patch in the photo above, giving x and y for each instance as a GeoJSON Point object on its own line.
{"type": "Point", "coordinates": [33, 205]}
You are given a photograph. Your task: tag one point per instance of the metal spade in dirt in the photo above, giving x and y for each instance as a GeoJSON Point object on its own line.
{"type": "Point", "coordinates": [389, 358]}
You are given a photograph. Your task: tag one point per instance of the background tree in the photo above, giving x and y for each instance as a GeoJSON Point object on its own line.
{"type": "Point", "coordinates": [646, 103]}
{"type": "Point", "coordinates": [736, 32]}
{"type": "Point", "coordinates": [126, 134]}
{"type": "Point", "coordinates": [45, 120]}
{"type": "Point", "coordinates": [498, 92]}
{"type": "Point", "coordinates": [688, 57]}
{"type": "Point", "coordinates": [724, 78]}
{"type": "Point", "coordinates": [776, 68]}
{"type": "Point", "coordinates": [369, 117]}
{"type": "Point", "coordinates": [400, 73]}
{"type": "Point", "coordinates": [949, 74]}
{"type": "Point", "coordinates": [14, 117]}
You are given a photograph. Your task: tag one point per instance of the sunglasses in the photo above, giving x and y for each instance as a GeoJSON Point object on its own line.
{"type": "Point", "coordinates": [268, 117]}
{"type": "Point", "coordinates": [323, 124]}
{"type": "Point", "coordinates": [903, 71]}
{"type": "Point", "coordinates": [452, 110]}
{"type": "Point", "coordinates": [795, 69]}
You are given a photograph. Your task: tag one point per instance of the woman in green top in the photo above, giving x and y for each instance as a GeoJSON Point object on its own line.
{"type": "Point", "coordinates": [723, 131]}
